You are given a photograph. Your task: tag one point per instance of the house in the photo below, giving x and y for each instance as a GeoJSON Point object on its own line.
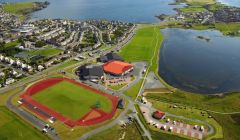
{"type": "Point", "coordinates": [2, 74]}
{"type": "Point", "coordinates": [90, 72]}
{"type": "Point", "coordinates": [120, 104]}
{"type": "Point", "coordinates": [109, 57]}
{"type": "Point", "coordinates": [9, 81]}
{"type": "Point", "coordinates": [117, 68]}
{"type": "Point", "coordinates": [29, 68]}
{"type": "Point", "coordinates": [40, 67]}
{"type": "Point", "coordinates": [158, 115]}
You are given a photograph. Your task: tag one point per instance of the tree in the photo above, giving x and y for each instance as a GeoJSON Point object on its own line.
{"type": "Point", "coordinates": [40, 44]}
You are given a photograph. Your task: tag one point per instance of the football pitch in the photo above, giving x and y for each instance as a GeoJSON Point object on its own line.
{"type": "Point", "coordinates": [71, 100]}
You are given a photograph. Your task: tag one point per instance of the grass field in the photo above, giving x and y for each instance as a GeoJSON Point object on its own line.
{"type": "Point", "coordinates": [116, 132]}
{"type": "Point", "coordinates": [71, 100]}
{"type": "Point", "coordinates": [192, 9]}
{"type": "Point", "coordinates": [18, 8]}
{"type": "Point", "coordinates": [117, 87]}
{"type": "Point", "coordinates": [230, 125]}
{"type": "Point", "coordinates": [47, 51]}
{"type": "Point", "coordinates": [144, 46]}
{"type": "Point", "coordinates": [12, 128]}
{"type": "Point", "coordinates": [225, 104]}
{"type": "Point", "coordinates": [197, 2]}
{"type": "Point", "coordinates": [231, 29]}
{"type": "Point", "coordinates": [11, 44]}
{"type": "Point", "coordinates": [133, 91]}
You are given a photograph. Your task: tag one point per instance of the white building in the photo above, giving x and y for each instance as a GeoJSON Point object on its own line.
{"type": "Point", "coordinates": [9, 81]}
{"type": "Point", "coordinates": [40, 67]}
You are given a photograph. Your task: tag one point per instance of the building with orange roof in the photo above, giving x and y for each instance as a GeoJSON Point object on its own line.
{"type": "Point", "coordinates": [117, 67]}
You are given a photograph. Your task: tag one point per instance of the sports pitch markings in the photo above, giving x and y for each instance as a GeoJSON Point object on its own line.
{"type": "Point", "coordinates": [69, 101]}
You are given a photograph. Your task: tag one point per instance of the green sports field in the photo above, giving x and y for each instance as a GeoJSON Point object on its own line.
{"type": "Point", "coordinates": [47, 51]}
{"type": "Point", "coordinates": [71, 100]}
{"type": "Point", "coordinates": [13, 128]}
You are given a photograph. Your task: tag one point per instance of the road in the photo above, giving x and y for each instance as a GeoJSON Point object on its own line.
{"type": "Point", "coordinates": [40, 124]}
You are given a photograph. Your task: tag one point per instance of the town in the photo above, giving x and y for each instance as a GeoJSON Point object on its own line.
{"type": "Point", "coordinates": [109, 70]}
{"type": "Point", "coordinates": [32, 46]}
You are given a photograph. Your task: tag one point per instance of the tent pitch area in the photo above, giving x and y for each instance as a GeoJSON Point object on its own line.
{"type": "Point", "coordinates": [69, 101]}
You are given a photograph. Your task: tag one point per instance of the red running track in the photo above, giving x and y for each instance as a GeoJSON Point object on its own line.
{"type": "Point", "coordinates": [39, 86]}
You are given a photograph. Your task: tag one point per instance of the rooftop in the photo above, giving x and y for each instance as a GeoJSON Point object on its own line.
{"type": "Point", "coordinates": [117, 67]}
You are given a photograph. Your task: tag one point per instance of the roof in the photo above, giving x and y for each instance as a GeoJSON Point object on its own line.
{"type": "Point", "coordinates": [158, 114]}
{"type": "Point", "coordinates": [91, 71]}
{"type": "Point", "coordinates": [120, 104]}
{"type": "Point", "coordinates": [110, 56]}
{"type": "Point", "coordinates": [116, 67]}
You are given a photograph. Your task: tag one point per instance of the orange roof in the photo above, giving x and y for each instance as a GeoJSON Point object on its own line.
{"type": "Point", "coordinates": [116, 67]}
{"type": "Point", "coordinates": [158, 114]}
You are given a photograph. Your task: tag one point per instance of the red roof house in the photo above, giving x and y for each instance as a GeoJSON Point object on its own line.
{"type": "Point", "coordinates": [117, 67]}
{"type": "Point", "coordinates": [158, 115]}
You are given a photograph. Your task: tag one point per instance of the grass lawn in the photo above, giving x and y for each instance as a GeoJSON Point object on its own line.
{"type": "Point", "coordinates": [230, 125]}
{"type": "Point", "coordinates": [144, 46]}
{"type": "Point", "coordinates": [231, 29]}
{"type": "Point", "coordinates": [11, 44]}
{"type": "Point", "coordinates": [71, 100]}
{"type": "Point", "coordinates": [117, 87]}
{"type": "Point", "coordinates": [12, 128]}
{"type": "Point", "coordinates": [47, 51]}
{"type": "Point", "coordinates": [200, 2]}
{"type": "Point", "coordinates": [192, 9]}
{"type": "Point", "coordinates": [133, 91]}
{"type": "Point", "coordinates": [18, 8]}
{"type": "Point", "coordinates": [63, 65]}
{"type": "Point", "coordinates": [116, 132]}
{"type": "Point", "coordinates": [165, 136]}
{"type": "Point", "coordinates": [225, 104]}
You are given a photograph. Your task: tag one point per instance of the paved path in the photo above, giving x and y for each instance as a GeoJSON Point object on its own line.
{"type": "Point", "coordinates": [151, 61]}
{"type": "Point", "coordinates": [39, 124]}
{"type": "Point", "coordinates": [152, 81]}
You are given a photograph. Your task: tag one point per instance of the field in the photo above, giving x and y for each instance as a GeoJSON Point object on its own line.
{"type": "Point", "coordinates": [12, 128]}
{"type": "Point", "coordinates": [71, 100]}
{"type": "Point", "coordinates": [131, 133]}
{"type": "Point", "coordinates": [192, 9]}
{"type": "Point", "coordinates": [144, 46]}
{"type": "Point", "coordinates": [19, 8]}
{"type": "Point", "coordinates": [200, 1]}
{"type": "Point", "coordinates": [231, 127]}
{"type": "Point", "coordinates": [225, 104]}
{"type": "Point", "coordinates": [11, 44]}
{"type": "Point", "coordinates": [47, 51]}
{"type": "Point", "coordinates": [133, 91]}
{"type": "Point", "coordinates": [231, 29]}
